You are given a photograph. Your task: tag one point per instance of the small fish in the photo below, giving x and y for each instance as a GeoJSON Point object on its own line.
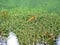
{"type": "Point", "coordinates": [4, 14]}
{"type": "Point", "coordinates": [31, 18]}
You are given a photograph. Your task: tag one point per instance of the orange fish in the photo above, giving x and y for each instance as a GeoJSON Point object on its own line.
{"type": "Point", "coordinates": [32, 18]}
{"type": "Point", "coordinates": [4, 12]}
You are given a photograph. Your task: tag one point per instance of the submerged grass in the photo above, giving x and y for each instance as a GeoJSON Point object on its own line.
{"type": "Point", "coordinates": [30, 26]}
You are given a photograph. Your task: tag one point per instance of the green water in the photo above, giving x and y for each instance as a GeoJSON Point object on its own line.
{"type": "Point", "coordinates": [50, 5]}
{"type": "Point", "coordinates": [46, 20]}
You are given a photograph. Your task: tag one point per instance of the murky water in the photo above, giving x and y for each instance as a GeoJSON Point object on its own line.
{"type": "Point", "coordinates": [42, 4]}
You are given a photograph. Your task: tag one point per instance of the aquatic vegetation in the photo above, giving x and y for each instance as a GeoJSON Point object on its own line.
{"type": "Point", "coordinates": [43, 28]}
